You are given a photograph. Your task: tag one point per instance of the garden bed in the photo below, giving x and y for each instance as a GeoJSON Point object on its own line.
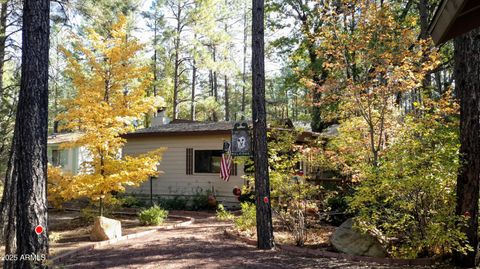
{"type": "Point", "coordinates": [67, 230]}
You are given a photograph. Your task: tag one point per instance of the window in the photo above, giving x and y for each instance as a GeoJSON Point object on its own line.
{"type": "Point", "coordinates": [56, 157]}
{"type": "Point", "coordinates": [208, 161]}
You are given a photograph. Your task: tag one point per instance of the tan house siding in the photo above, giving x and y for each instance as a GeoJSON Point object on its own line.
{"type": "Point", "coordinates": [174, 180]}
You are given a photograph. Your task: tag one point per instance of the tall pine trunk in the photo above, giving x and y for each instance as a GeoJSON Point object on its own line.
{"type": "Point", "coordinates": [214, 82]}
{"type": "Point", "coordinates": [194, 81]}
{"type": "Point", "coordinates": [467, 83]}
{"type": "Point", "coordinates": [215, 79]}
{"type": "Point", "coordinates": [3, 43]}
{"type": "Point", "coordinates": [27, 172]}
{"type": "Point", "coordinates": [176, 79]}
{"type": "Point", "coordinates": [227, 101]}
{"type": "Point", "coordinates": [424, 23]}
{"type": "Point", "coordinates": [155, 52]}
{"type": "Point", "coordinates": [259, 113]}
{"type": "Point", "coordinates": [244, 73]}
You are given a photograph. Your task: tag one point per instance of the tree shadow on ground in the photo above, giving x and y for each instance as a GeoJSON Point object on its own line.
{"type": "Point", "coordinates": [198, 247]}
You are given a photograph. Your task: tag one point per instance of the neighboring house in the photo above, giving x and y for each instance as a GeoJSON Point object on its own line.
{"type": "Point", "coordinates": [191, 162]}
{"type": "Point", "coordinates": [68, 158]}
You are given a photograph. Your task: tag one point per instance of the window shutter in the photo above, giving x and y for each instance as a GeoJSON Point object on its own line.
{"type": "Point", "coordinates": [189, 161]}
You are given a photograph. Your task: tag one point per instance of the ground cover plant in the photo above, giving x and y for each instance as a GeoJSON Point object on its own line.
{"type": "Point", "coordinates": [154, 215]}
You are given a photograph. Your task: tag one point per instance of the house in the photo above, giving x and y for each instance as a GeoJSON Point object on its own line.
{"type": "Point", "coordinates": [69, 159]}
{"type": "Point", "coordinates": [189, 166]}
{"type": "Point", "coordinates": [453, 18]}
{"type": "Point", "coordinates": [191, 162]}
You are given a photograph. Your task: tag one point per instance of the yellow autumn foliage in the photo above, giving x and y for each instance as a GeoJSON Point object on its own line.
{"type": "Point", "coordinates": [374, 63]}
{"type": "Point", "coordinates": [111, 95]}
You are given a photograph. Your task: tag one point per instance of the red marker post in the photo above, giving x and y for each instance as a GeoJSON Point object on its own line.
{"type": "Point", "coordinates": [39, 229]}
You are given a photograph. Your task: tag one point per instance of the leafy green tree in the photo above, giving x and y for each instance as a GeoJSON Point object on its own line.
{"type": "Point", "coordinates": [299, 39]}
{"type": "Point", "coordinates": [101, 15]}
{"type": "Point", "coordinates": [370, 61]}
{"type": "Point", "coordinates": [60, 86]}
{"type": "Point", "coordinates": [293, 193]}
{"type": "Point", "coordinates": [408, 203]}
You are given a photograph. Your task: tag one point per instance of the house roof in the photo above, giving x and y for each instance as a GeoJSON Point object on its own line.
{"type": "Point", "coordinates": [200, 128]}
{"type": "Point", "coordinates": [453, 18]}
{"type": "Point", "coordinates": [60, 138]}
{"type": "Point", "coordinates": [181, 127]}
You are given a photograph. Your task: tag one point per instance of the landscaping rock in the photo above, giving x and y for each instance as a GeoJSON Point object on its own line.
{"type": "Point", "coordinates": [351, 241]}
{"type": "Point", "coordinates": [105, 229]}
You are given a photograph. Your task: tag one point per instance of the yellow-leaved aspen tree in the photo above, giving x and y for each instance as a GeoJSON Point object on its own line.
{"type": "Point", "coordinates": [111, 95]}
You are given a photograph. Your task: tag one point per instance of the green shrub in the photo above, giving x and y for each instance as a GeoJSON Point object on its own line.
{"type": "Point", "coordinates": [152, 216]}
{"type": "Point", "coordinates": [175, 203]}
{"type": "Point", "coordinates": [408, 202]}
{"type": "Point", "coordinates": [223, 214]}
{"type": "Point", "coordinates": [199, 201]}
{"type": "Point", "coordinates": [338, 204]}
{"type": "Point", "coordinates": [130, 201]}
{"type": "Point", "coordinates": [248, 195]}
{"type": "Point", "coordinates": [88, 213]}
{"type": "Point", "coordinates": [248, 219]}
{"type": "Point", "coordinates": [291, 194]}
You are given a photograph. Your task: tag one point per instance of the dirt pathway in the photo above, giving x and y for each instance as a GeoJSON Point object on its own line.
{"type": "Point", "coordinates": [201, 245]}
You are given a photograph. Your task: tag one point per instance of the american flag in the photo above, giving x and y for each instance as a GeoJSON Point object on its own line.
{"type": "Point", "coordinates": [225, 166]}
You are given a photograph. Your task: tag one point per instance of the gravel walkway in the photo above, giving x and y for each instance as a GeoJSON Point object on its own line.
{"type": "Point", "coordinates": [201, 245]}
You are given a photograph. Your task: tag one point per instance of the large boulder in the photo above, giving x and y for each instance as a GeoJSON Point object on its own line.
{"type": "Point", "coordinates": [105, 229]}
{"type": "Point", "coordinates": [352, 241]}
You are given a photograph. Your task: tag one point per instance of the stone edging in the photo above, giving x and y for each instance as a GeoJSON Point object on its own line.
{"type": "Point", "coordinates": [187, 221]}
{"type": "Point", "coordinates": [330, 254]}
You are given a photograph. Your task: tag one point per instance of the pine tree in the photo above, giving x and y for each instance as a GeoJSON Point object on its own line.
{"type": "Point", "coordinates": [262, 184]}
{"type": "Point", "coordinates": [24, 203]}
{"type": "Point", "coordinates": [467, 68]}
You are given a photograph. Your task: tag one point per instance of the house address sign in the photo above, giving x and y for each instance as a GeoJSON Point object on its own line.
{"type": "Point", "coordinates": [241, 140]}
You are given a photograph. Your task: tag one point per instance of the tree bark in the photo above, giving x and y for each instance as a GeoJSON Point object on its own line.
{"type": "Point", "coordinates": [155, 51]}
{"type": "Point", "coordinates": [227, 101]}
{"type": "Point", "coordinates": [227, 104]}
{"type": "Point", "coordinates": [194, 80]}
{"type": "Point", "coordinates": [8, 203]}
{"type": "Point", "coordinates": [424, 23]}
{"type": "Point", "coordinates": [28, 165]}
{"type": "Point", "coordinates": [319, 77]}
{"type": "Point", "coordinates": [210, 81]}
{"type": "Point", "coordinates": [244, 73]}
{"type": "Point", "coordinates": [467, 83]}
{"type": "Point", "coordinates": [3, 43]}
{"type": "Point", "coordinates": [176, 80]}
{"type": "Point", "coordinates": [214, 82]}
{"type": "Point", "coordinates": [262, 182]}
